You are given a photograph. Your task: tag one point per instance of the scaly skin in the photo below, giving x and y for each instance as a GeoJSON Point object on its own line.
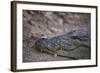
{"type": "Point", "coordinates": [67, 42]}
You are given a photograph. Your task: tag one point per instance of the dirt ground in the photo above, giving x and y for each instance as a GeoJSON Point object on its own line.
{"type": "Point", "coordinates": [38, 24]}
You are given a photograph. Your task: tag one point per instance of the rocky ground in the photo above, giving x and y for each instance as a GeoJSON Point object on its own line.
{"type": "Point", "coordinates": [39, 24]}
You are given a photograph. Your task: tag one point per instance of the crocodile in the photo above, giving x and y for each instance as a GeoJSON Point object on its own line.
{"type": "Point", "coordinates": [66, 42]}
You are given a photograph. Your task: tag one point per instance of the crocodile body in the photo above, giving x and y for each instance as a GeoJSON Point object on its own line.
{"type": "Point", "coordinates": [66, 42]}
